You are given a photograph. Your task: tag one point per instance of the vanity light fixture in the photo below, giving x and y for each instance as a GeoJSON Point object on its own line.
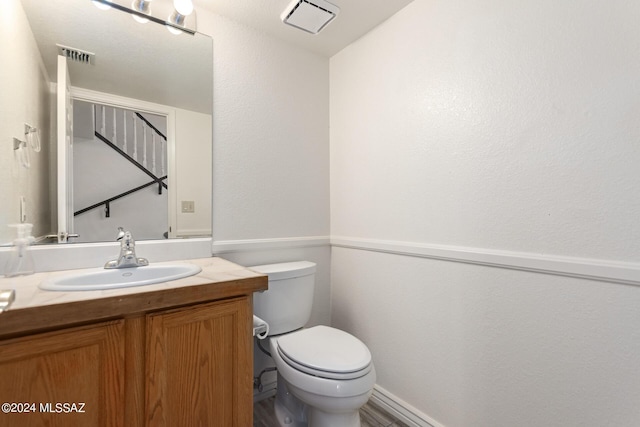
{"type": "Point", "coordinates": [102, 5]}
{"type": "Point", "coordinates": [141, 12]}
{"type": "Point", "coordinates": [142, 6]}
{"type": "Point", "coordinates": [182, 9]}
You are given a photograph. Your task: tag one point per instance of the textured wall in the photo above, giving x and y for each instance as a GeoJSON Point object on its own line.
{"type": "Point", "coordinates": [270, 133]}
{"type": "Point", "coordinates": [270, 148]}
{"type": "Point", "coordinates": [473, 346]}
{"type": "Point", "coordinates": [24, 98]}
{"type": "Point", "coordinates": [497, 124]}
{"type": "Point", "coordinates": [492, 125]}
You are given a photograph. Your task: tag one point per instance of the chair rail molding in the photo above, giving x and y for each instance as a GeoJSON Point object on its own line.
{"type": "Point", "coordinates": [626, 273]}
{"type": "Point", "coordinates": [220, 247]}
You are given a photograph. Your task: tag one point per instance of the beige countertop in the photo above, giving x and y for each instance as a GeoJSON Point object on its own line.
{"type": "Point", "coordinates": [36, 309]}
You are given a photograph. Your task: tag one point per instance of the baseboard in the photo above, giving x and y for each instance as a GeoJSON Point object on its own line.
{"type": "Point", "coordinates": [220, 247]}
{"type": "Point", "coordinates": [584, 268]}
{"type": "Point", "coordinates": [401, 410]}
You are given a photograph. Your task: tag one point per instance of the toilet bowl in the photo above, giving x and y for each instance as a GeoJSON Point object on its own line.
{"type": "Point", "coordinates": [324, 375]}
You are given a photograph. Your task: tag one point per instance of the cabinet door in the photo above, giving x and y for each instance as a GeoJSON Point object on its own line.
{"type": "Point", "coordinates": [199, 363]}
{"type": "Point", "coordinates": [73, 377]}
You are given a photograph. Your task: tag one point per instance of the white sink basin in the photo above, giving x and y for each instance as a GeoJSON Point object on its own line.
{"type": "Point", "coordinates": [120, 277]}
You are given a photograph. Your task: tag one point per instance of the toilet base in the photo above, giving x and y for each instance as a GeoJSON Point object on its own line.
{"type": "Point", "coordinates": [318, 418]}
{"type": "Point", "coordinates": [292, 412]}
{"type": "Point", "coordinates": [289, 411]}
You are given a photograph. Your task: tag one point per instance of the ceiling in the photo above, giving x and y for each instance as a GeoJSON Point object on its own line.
{"type": "Point", "coordinates": [356, 18]}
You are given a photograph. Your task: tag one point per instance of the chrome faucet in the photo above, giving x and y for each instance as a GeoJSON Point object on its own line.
{"type": "Point", "coordinates": [127, 257]}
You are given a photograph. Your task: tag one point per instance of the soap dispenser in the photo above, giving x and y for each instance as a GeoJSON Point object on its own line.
{"type": "Point", "coordinates": [20, 262]}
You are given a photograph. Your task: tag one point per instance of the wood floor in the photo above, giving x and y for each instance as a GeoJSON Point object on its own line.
{"type": "Point", "coordinates": [370, 416]}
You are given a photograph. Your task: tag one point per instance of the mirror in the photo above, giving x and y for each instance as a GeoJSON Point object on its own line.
{"type": "Point", "coordinates": [140, 71]}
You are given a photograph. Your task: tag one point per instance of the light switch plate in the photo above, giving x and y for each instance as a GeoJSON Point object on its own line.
{"type": "Point", "coordinates": [188, 206]}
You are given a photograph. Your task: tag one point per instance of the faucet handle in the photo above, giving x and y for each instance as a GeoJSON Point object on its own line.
{"type": "Point", "coordinates": [121, 233]}
{"type": "Point", "coordinates": [127, 257]}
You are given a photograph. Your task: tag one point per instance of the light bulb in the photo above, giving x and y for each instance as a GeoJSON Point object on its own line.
{"type": "Point", "coordinates": [101, 5]}
{"type": "Point", "coordinates": [183, 7]}
{"type": "Point", "coordinates": [173, 30]}
{"type": "Point", "coordinates": [143, 7]}
{"type": "Point", "coordinates": [177, 19]}
{"type": "Point", "coordinates": [140, 19]}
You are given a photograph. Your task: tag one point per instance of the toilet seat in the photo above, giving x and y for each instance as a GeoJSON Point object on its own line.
{"type": "Point", "coordinates": [325, 352]}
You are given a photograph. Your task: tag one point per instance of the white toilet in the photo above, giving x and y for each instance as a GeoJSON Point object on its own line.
{"type": "Point", "coordinates": [324, 374]}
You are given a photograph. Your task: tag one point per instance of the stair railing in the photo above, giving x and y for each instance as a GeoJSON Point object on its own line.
{"type": "Point", "coordinates": [158, 143]}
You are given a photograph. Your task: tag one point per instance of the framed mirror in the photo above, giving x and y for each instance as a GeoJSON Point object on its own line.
{"type": "Point", "coordinates": [138, 124]}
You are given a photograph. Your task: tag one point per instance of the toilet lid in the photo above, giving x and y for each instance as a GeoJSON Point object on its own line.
{"type": "Point", "coordinates": [325, 352]}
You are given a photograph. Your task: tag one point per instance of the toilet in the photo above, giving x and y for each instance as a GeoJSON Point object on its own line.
{"type": "Point", "coordinates": [324, 375]}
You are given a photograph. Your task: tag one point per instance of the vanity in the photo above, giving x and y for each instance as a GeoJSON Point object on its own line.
{"type": "Point", "coordinates": [177, 353]}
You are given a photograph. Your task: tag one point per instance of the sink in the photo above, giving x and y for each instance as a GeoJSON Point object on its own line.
{"type": "Point", "coordinates": [120, 277]}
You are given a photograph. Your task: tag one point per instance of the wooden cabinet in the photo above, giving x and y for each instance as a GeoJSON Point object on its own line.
{"type": "Point", "coordinates": [186, 366]}
{"type": "Point", "coordinates": [199, 366]}
{"type": "Point", "coordinates": [73, 377]}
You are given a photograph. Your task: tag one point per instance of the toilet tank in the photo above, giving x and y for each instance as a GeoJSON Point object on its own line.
{"type": "Point", "coordinates": [286, 305]}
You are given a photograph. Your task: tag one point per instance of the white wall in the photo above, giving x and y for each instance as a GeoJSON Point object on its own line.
{"type": "Point", "coordinates": [270, 151]}
{"type": "Point", "coordinates": [497, 133]}
{"type": "Point", "coordinates": [25, 99]}
{"type": "Point", "coordinates": [270, 133]}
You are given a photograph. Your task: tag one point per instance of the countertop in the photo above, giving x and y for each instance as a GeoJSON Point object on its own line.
{"type": "Point", "coordinates": [37, 310]}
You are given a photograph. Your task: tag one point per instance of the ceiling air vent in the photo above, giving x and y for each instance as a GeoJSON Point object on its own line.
{"type": "Point", "coordinates": [76, 55]}
{"type": "Point", "coordinates": [310, 15]}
